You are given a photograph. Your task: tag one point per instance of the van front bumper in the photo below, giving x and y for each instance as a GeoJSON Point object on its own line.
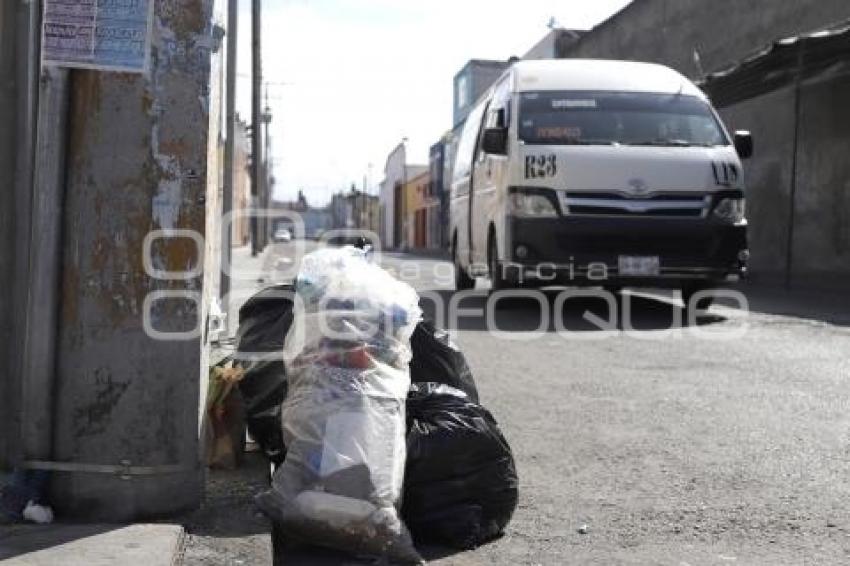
{"type": "Point", "coordinates": [572, 250]}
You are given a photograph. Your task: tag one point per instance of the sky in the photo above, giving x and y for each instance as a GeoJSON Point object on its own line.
{"type": "Point", "coordinates": [348, 79]}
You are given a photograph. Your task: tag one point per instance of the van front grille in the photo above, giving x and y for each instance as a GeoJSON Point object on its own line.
{"type": "Point", "coordinates": [667, 205]}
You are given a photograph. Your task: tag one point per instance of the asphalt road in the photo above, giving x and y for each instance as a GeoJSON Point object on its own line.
{"type": "Point", "coordinates": [671, 447]}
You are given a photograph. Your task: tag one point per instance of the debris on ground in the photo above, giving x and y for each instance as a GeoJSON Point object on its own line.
{"type": "Point", "coordinates": [436, 359]}
{"type": "Point", "coordinates": [331, 363]}
{"type": "Point", "coordinates": [461, 486]}
{"type": "Point", "coordinates": [39, 514]}
{"type": "Point", "coordinates": [26, 490]}
{"type": "Point", "coordinates": [226, 439]}
{"type": "Point", "coordinates": [343, 416]}
{"type": "Point", "coordinates": [264, 321]}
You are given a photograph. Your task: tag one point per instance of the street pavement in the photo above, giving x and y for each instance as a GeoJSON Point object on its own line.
{"type": "Point", "coordinates": [724, 442]}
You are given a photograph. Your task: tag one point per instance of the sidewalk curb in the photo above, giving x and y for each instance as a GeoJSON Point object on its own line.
{"type": "Point", "coordinates": [179, 548]}
{"type": "Point", "coordinates": [140, 544]}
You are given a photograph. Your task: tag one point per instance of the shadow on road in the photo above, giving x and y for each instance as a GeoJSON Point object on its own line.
{"type": "Point", "coordinates": [478, 311]}
{"type": "Point", "coordinates": [305, 555]}
{"type": "Point", "coordinates": [20, 539]}
{"type": "Point", "coordinates": [829, 307]}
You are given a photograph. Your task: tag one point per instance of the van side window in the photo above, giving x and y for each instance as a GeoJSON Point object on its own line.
{"type": "Point", "coordinates": [499, 115]}
{"type": "Point", "coordinates": [467, 145]}
{"type": "Point", "coordinates": [499, 112]}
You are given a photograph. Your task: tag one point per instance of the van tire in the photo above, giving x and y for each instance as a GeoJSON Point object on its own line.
{"type": "Point", "coordinates": [463, 282]}
{"type": "Point", "coordinates": [688, 293]}
{"type": "Point", "coordinates": [497, 279]}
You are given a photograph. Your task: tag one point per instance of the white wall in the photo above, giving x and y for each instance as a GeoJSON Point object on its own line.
{"type": "Point", "coordinates": [393, 174]}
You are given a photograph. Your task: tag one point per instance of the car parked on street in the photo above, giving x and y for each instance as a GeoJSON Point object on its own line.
{"type": "Point", "coordinates": [282, 235]}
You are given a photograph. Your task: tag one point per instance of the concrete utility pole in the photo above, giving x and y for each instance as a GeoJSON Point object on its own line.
{"type": "Point", "coordinates": [256, 122]}
{"type": "Point", "coordinates": [229, 153]}
{"type": "Point", "coordinates": [118, 408]}
{"type": "Point", "coordinates": [19, 92]}
{"type": "Point", "coordinates": [267, 170]}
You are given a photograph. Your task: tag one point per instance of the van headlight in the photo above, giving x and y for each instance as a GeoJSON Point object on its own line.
{"type": "Point", "coordinates": [532, 205]}
{"type": "Point", "coordinates": [732, 210]}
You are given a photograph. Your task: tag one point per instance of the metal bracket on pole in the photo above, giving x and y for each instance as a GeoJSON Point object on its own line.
{"type": "Point", "coordinates": [125, 470]}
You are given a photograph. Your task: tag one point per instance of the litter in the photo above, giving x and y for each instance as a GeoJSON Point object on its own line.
{"type": "Point", "coordinates": [226, 439]}
{"type": "Point", "coordinates": [461, 485]}
{"type": "Point", "coordinates": [25, 488]}
{"type": "Point", "coordinates": [39, 514]}
{"type": "Point", "coordinates": [264, 321]}
{"type": "Point", "coordinates": [436, 359]}
{"type": "Point", "coordinates": [336, 398]}
{"type": "Point", "coordinates": [343, 416]}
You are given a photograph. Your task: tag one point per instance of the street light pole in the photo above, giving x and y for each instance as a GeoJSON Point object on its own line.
{"type": "Point", "coordinates": [267, 172]}
{"type": "Point", "coordinates": [229, 153]}
{"type": "Point", "coordinates": [369, 219]}
{"type": "Point", "coordinates": [361, 217]}
{"type": "Point", "coordinates": [256, 121]}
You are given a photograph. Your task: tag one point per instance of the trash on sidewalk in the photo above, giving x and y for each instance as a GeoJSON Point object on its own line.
{"type": "Point", "coordinates": [217, 321]}
{"type": "Point", "coordinates": [436, 359]}
{"type": "Point", "coordinates": [40, 514]}
{"type": "Point", "coordinates": [343, 417]}
{"type": "Point", "coordinates": [225, 444]}
{"type": "Point", "coordinates": [264, 321]}
{"type": "Point", "coordinates": [25, 488]}
{"type": "Point", "coordinates": [461, 485]}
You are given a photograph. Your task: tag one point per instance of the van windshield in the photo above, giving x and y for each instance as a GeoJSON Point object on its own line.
{"type": "Point", "coordinates": [610, 118]}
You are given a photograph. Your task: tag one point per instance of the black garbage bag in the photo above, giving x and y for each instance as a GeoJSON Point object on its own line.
{"type": "Point", "coordinates": [264, 321]}
{"type": "Point", "coordinates": [460, 485]}
{"type": "Point", "coordinates": [436, 359]}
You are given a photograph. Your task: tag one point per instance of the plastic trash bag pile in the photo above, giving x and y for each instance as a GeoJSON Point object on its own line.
{"type": "Point", "coordinates": [360, 446]}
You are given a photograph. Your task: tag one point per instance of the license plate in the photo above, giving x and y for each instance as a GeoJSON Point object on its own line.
{"type": "Point", "coordinates": [639, 265]}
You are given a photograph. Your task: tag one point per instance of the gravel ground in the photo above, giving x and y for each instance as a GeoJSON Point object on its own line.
{"type": "Point", "coordinates": [640, 450]}
{"type": "Point", "coordinates": [227, 530]}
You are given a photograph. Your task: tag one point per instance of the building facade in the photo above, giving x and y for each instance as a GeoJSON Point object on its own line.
{"type": "Point", "coordinates": [471, 82]}
{"type": "Point", "coordinates": [440, 187]}
{"type": "Point", "coordinates": [554, 44]}
{"type": "Point", "coordinates": [355, 209]}
{"type": "Point", "coordinates": [393, 220]}
{"type": "Point", "coordinates": [419, 209]}
{"type": "Point", "coordinates": [395, 176]}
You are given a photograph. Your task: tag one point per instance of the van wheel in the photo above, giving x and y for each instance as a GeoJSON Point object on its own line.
{"type": "Point", "coordinates": [497, 278]}
{"type": "Point", "coordinates": [688, 293]}
{"type": "Point", "coordinates": [463, 281]}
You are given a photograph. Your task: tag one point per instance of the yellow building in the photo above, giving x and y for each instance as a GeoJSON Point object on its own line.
{"type": "Point", "coordinates": [420, 210]}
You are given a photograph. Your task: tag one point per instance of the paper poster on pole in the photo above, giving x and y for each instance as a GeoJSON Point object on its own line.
{"type": "Point", "coordinates": [105, 35]}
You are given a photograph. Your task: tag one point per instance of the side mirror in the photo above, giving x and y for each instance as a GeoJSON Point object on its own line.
{"type": "Point", "coordinates": [744, 144]}
{"type": "Point", "coordinates": [495, 141]}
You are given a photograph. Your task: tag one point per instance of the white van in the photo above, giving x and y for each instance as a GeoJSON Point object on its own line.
{"type": "Point", "coordinates": [603, 173]}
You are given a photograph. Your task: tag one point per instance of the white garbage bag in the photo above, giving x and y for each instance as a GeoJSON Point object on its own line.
{"type": "Point", "coordinates": [344, 416]}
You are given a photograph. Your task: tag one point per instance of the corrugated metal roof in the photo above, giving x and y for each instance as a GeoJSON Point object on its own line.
{"type": "Point", "coordinates": [825, 51]}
